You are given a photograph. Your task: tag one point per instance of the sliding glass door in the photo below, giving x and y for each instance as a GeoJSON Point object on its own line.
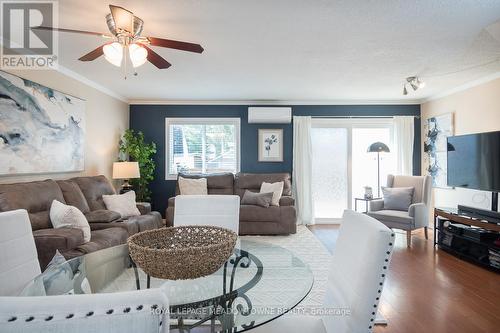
{"type": "Point", "coordinates": [342, 167]}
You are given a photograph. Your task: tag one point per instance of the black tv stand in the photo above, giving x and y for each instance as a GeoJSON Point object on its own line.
{"type": "Point", "coordinates": [460, 236]}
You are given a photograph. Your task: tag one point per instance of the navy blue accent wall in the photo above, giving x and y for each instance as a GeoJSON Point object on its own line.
{"type": "Point", "coordinates": [150, 119]}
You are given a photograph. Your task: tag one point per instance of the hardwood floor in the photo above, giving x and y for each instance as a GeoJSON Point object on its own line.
{"type": "Point", "coordinates": [430, 290]}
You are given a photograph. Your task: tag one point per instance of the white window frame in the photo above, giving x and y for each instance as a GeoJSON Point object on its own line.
{"type": "Point", "coordinates": [349, 124]}
{"type": "Point", "coordinates": [200, 121]}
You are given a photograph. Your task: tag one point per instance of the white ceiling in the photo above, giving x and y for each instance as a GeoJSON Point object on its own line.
{"type": "Point", "coordinates": [294, 50]}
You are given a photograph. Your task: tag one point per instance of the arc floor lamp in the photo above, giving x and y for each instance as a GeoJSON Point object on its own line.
{"type": "Point", "coordinates": [378, 147]}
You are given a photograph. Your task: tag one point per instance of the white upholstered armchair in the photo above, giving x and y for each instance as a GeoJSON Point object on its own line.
{"type": "Point", "coordinates": [417, 215]}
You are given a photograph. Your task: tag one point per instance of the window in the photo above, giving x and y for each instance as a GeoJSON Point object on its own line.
{"type": "Point", "coordinates": [202, 145]}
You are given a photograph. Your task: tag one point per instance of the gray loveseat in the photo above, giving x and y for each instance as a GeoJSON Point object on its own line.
{"type": "Point", "coordinates": [254, 220]}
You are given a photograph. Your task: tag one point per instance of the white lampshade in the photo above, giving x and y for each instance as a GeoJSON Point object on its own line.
{"type": "Point", "coordinates": [113, 53]}
{"type": "Point", "coordinates": [138, 54]}
{"type": "Point", "coordinates": [126, 170]}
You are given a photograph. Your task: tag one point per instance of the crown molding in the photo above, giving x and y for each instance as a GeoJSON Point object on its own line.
{"type": "Point", "coordinates": [273, 102]}
{"type": "Point", "coordinates": [462, 87]}
{"type": "Point", "coordinates": [74, 75]}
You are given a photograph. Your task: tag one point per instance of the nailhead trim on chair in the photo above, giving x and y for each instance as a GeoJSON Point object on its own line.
{"type": "Point", "coordinates": [381, 283]}
{"type": "Point", "coordinates": [72, 315]}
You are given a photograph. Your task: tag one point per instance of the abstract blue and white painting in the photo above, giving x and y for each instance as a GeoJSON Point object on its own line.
{"type": "Point", "coordinates": [437, 129]}
{"type": "Point", "coordinates": [42, 130]}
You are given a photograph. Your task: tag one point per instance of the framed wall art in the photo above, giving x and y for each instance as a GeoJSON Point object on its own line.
{"type": "Point", "coordinates": [270, 145]}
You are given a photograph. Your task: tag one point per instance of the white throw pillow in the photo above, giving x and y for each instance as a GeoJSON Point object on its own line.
{"type": "Point", "coordinates": [124, 204]}
{"type": "Point", "coordinates": [65, 216]}
{"type": "Point", "coordinates": [189, 186]}
{"type": "Point", "coordinates": [276, 188]}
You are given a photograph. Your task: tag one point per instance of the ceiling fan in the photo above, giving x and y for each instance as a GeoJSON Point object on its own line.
{"type": "Point", "coordinates": [126, 29]}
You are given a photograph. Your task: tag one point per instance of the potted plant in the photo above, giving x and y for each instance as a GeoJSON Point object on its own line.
{"type": "Point", "coordinates": [133, 145]}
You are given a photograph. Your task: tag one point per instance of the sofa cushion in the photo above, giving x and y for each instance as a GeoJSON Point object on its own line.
{"type": "Point", "coordinates": [102, 216]}
{"type": "Point", "coordinates": [149, 221]}
{"type": "Point", "coordinates": [49, 240]}
{"type": "Point", "coordinates": [395, 216]}
{"type": "Point", "coordinates": [253, 213]}
{"type": "Point", "coordinates": [73, 195]}
{"type": "Point", "coordinates": [104, 238]}
{"type": "Point", "coordinates": [35, 197]}
{"type": "Point", "coordinates": [287, 201]}
{"type": "Point", "coordinates": [130, 226]}
{"type": "Point", "coordinates": [253, 182]}
{"type": "Point", "coordinates": [93, 188]}
{"type": "Point", "coordinates": [220, 183]}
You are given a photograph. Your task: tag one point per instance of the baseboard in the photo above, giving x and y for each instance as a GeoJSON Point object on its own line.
{"type": "Point", "coordinates": [327, 220]}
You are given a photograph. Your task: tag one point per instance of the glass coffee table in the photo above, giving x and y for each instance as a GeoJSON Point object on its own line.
{"type": "Point", "coordinates": [259, 283]}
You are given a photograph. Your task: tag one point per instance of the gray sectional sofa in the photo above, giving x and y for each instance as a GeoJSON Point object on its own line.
{"type": "Point", "coordinates": [254, 220]}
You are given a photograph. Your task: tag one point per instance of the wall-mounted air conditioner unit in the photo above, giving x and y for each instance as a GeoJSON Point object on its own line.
{"type": "Point", "coordinates": [269, 115]}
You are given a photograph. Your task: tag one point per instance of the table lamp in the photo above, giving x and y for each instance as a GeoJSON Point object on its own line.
{"type": "Point", "coordinates": [126, 171]}
{"type": "Point", "coordinates": [378, 147]}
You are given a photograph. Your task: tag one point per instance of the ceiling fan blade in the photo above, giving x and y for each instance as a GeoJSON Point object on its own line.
{"type": "Point", "coordinates": [174, 44]}
{"type": "Point", "coordinates": [156, 59]}
{"type": "Point", "coordinates": [124, 19]}
{"type": "Point", "coordinates": [71, 31]}
{"type": "Point", "coordinates": [92, 55]}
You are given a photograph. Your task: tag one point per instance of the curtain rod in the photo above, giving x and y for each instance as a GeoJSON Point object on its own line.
{"type": "Point", "coordinates": [362, 117]}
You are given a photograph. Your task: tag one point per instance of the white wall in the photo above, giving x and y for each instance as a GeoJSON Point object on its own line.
{"type": "Point", "coordinates": [106, 120]}
{"type": "Point", "coordinates": [476, 110]}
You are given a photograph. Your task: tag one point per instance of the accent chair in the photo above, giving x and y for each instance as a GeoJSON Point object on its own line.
{"type": "Point", "coordinates": [417, 215]}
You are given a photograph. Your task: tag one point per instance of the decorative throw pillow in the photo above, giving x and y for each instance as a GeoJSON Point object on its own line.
{"type": "Point", "coordinates": [276, 188]}
{"type": "Point", "coordinates": [65, 216]}
{"type": "Point", "coordinates": [189, 186]}
{"type": "Point", "coordinates": [123, 204]}
{"type": "Point", "coordinates": [58, 276]}
{"type": "Point", "coordinates": [397, 198]}
{"type": "Point", "coordinates": [257, 199]}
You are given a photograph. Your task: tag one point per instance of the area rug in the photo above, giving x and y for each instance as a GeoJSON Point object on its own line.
{"type": "Point", "coordinates": [305, 245]}
{"type": "Point", "coordinates": [312, 252]}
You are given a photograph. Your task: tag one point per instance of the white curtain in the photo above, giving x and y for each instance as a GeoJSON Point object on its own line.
{"type": "Point", "coordinates": [404, 135]}
{"type": "Point", "coordinates": [302, 169]}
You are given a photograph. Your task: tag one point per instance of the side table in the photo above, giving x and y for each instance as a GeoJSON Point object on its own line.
{"type": "Point", "coordinates": [366, 203]}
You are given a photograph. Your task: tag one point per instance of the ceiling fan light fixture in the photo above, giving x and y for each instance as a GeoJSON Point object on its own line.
{"type": "Point", "coordinates": [113, 53]}
{"type": "Point", "coordinates": [138, 54]}
{"type": "Point", "coordinates": [405, 92]}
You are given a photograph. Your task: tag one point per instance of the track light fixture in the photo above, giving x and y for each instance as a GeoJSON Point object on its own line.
{"type": "Point", "coordinates": [414, 82]}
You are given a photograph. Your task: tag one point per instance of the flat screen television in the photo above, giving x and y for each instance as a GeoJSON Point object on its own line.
{"type": "Point", "coordinates": [474, 161]}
